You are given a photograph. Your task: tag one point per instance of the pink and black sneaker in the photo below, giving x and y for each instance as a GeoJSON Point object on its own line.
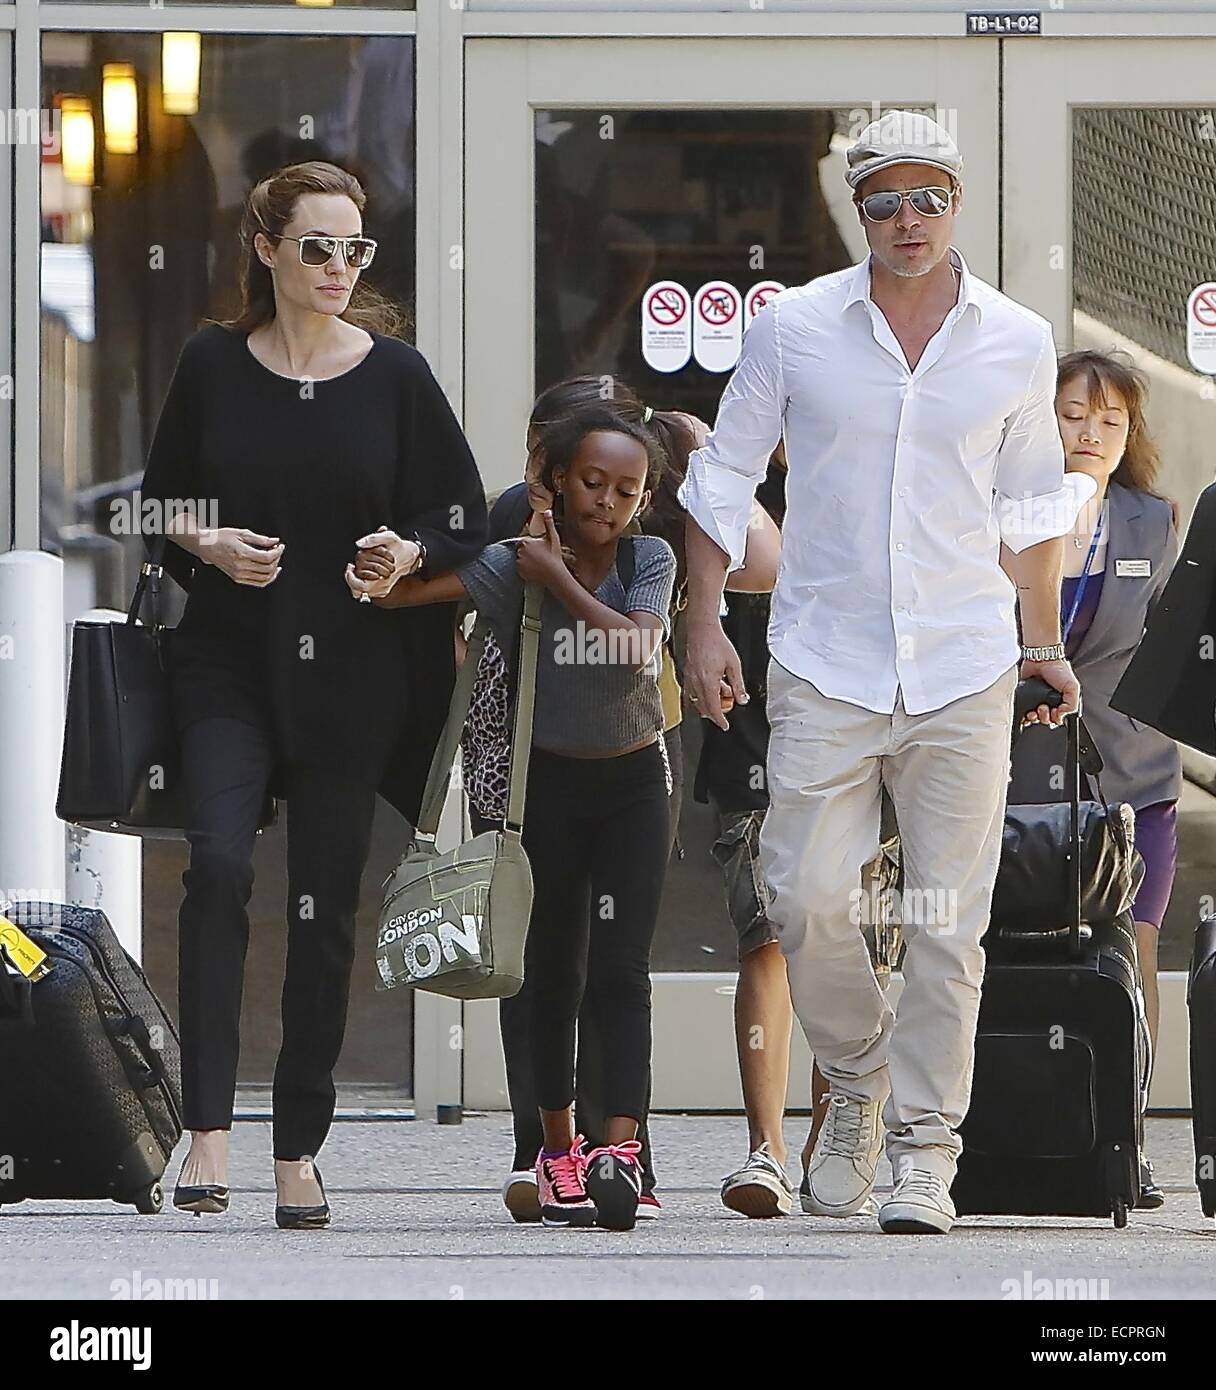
{"type": "Point", "coordinates": [614, 1182]}
{"type": "Point", "coordinates": [562, 1188]}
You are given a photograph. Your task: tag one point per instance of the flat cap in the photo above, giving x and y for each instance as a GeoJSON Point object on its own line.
{"type": "Point", "coordinates": [902, 137]}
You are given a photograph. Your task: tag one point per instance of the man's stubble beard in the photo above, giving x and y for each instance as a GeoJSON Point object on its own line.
{"type": "Point", "coordinates": [907, 272]}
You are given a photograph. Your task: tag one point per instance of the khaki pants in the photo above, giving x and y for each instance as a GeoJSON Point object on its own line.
{"type": "Point", "coordinates": [946, 772]}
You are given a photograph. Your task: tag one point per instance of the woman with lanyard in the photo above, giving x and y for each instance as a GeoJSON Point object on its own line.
{"type": "Point", "coordinates": [1120, 554]}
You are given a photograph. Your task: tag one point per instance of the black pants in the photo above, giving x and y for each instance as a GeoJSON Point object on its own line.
{"type": "Point", "coordinates": [513, 1022]}
{"type": "Point", "coordinates": [226, 765]}
{"type": "Point", "coordinates": [597, 839]}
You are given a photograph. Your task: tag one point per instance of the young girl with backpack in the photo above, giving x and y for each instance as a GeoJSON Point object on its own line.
{"type": "Point", "coordinates": [596, 827]}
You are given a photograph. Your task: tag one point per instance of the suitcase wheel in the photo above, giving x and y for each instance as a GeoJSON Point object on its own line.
{"type": "Point", "coordinates": [150, 1201]}
{"type": "Point", "coordinates": [1120, 1213]}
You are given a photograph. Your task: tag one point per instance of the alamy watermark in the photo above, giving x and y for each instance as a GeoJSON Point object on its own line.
{"type": "Point", "coordinates": [138, 515]}
{"type": "Point", "coordinates": [934, 908]}
{"type": "Point", "coordinates": [32, 125]}
{"type": "Point", "coordinates": [1030, 1287]}
{"type": "Point", "coordinates": [593, 646]}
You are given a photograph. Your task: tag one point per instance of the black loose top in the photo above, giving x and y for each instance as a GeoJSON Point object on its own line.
{"type": "Point", "coordinates": [345, 685]}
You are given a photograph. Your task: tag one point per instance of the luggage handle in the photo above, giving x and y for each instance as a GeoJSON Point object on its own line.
{"type": "Point", "coordinates": [1028, 695]}
{"type": "Point", "coordinates": [137, 1030]}
{"type": "Point", "coordinates": [16, 998]}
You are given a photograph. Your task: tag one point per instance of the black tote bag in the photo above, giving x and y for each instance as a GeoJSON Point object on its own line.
{"type": "Point", "coordinates": [121, 766]}
{"type": "Point", "coordinates": [1063, 863]}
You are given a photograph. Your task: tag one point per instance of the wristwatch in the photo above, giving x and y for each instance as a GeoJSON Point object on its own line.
{"type": "Point", "coordinates": [1052, 653]}
{"type": "Point", "coordinates": [421, 553]}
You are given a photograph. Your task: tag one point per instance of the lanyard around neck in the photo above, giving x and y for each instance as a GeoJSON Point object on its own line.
{"type": "Point", "coordinates": [1089, 559]}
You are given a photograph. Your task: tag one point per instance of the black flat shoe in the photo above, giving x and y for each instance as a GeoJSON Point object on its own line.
{"type": "Point", "coordinates": [211, 1197]}
{"type": "Point", "coordinates": [304, 1218]}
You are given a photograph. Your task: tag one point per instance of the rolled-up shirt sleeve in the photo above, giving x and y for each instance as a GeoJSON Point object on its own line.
{"type": "Point", "coordinates": [1035, 498]}
{"type": "Point", "coordinates": [723, 475]}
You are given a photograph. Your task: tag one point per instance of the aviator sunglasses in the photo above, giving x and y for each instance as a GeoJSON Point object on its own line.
{"type": "Point", "coordinates": [929, 202]}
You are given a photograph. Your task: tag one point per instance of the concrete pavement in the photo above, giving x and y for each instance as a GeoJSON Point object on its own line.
{"type": "Point", "coordinates": [417, 1214]}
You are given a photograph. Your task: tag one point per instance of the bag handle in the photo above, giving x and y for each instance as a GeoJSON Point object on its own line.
{"type": "Point", "coordinates": [149, 582]}
{"type": "Point", "coordinates": [1028, 695]}
{"type": "Point", "coordinates": [525, 700]}
{"type": "Point", "coordinates": [16, 1008]}
{"type": "Point", "coordinates": [440, 775]}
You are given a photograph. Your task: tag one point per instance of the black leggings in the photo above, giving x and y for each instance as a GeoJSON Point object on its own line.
{"type": "Point", "coordinates": [514, 1027]}
{"type": "Point", "coordinates": [596, 831]}
{"type": "Point", "coordinates": [226, 764]}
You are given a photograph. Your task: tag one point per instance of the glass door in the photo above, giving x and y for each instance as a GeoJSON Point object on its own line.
{"type": "Point", "coordinates": [628, 205]}
{"type": "Point", "coordinates": [1110, 230]}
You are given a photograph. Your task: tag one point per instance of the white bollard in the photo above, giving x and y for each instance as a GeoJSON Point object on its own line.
{"type": "Point", "coordinates": [31, 725]}
{"type": "Point", "coordinates": [103, 870]}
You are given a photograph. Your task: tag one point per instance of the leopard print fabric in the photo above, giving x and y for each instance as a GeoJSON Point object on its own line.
{"type": "Point", "coordinates": [485, 740]}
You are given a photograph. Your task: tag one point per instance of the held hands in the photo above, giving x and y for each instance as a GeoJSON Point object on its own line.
{"type": "Point", "coordinates": [1059, 675]}
{"type": "Point", "coordinates": [382, 559]}
{"type": "Point", "coordinates": [246, 557]}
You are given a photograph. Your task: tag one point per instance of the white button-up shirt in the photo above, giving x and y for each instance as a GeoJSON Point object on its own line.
{"type": "Point", "coordinates": [901, 484]}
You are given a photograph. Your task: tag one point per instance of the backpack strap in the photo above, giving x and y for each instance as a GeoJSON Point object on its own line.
{"type": "Point", "coordinates": [626, 562]}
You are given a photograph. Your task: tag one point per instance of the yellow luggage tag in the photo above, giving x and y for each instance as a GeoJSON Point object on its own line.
{"type": "Point", "coordinates": [29, 959]}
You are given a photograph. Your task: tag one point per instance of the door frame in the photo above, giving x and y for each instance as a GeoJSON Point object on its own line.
{"type": "Point", "coordinates": [506, 80]}
{"type": "Point", "coordinates": [1169, 65]}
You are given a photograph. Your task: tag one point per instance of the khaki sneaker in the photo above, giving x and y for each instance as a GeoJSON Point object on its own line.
{"type": "Point", "coordinates": [920, 1205]}
{"type": "Point", "coordinates": [841, 1172]}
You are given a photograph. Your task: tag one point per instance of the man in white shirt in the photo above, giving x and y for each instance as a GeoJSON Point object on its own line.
{"type": "Point", "coordinates": [925, 473]}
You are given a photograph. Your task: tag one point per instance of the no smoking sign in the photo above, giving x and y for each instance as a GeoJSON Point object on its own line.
{"type": "Point", "coordinates": [666, 326]}
{"type": "Point", "coordinates": [1201, 328]}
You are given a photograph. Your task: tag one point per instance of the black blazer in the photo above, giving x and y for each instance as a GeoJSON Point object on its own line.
{"type": "Point", "coordinates": [1170, 683]}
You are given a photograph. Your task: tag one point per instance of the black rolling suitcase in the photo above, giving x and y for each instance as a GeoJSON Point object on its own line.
{"type": "Point", "coordinates": [1061, 1051]}
{"type": "Point", "coordinates": [1201, 1004]}
{"type": "Point", "coordinates": [90, 1094]}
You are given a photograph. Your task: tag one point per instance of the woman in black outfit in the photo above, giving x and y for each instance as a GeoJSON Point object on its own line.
{"type": "Point", "coordinates": [291, 438]}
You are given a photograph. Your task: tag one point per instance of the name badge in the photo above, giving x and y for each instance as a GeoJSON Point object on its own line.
{"type": "Point", "coordinates": [1133, 569]}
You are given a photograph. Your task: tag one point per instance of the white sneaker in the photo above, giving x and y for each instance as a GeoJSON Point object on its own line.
{"type": "Point", "coordinates": [841, 1172]}
{"type": "Point", "coordinates": [521, 1196]}
{"type": "Point", "coordinates": [920, 1205]}
{"type": "Point", "coordinates": [868, 1208]}
{"type": "Point", "coordinates": [760, 1188]}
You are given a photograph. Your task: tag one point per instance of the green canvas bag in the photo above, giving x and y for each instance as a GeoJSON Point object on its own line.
{"type": "Point", "coordinates": [456, 923]}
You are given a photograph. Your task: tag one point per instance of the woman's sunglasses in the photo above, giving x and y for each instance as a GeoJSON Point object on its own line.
{"type": "Point", "coordinates": [319, 250]}
{"type": "Point", "coordinates": [929, 202]}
